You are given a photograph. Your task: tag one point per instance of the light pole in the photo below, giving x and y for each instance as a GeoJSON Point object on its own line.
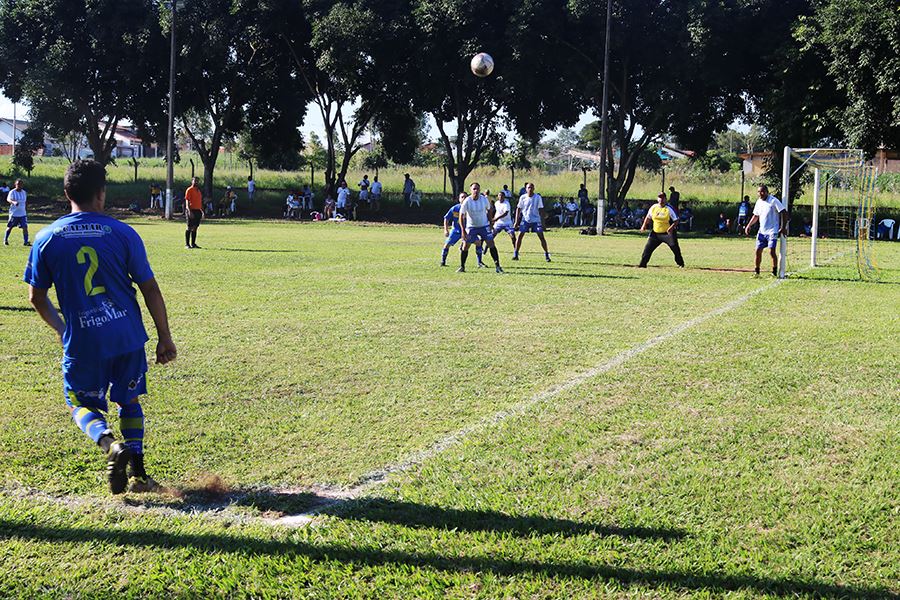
{"type": "Point", "coordinates": [604, 127]}
{"type": "Point", "coordinates": [170, 166]}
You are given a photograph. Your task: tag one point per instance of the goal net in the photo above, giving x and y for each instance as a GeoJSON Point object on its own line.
{"type": "Point", "coordinates": [832, 221]}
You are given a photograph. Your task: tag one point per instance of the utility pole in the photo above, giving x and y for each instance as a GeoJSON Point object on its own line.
{"type": "Point", "coordinates": [14, 129]}
{"type": "Point", "coordinates": [170, 155]}
{"type": "Point", "coordinates": [604, 127]}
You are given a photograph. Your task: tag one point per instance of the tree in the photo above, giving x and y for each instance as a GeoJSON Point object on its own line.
{"type": "Point", "coordinates": [860, 44]}
{"type": "Point", "coordinates": [349, 69]}
{"type": "Point", "coordinates": [517, 158]}
{"type": "Point", "coordinates": [687, 90]}
{"type": "Point", "coordinates": [30, 142]}
{"type": "Point", "coordinates": [79, 64]}
{"type": "Point", "coordinates": [468, 110]}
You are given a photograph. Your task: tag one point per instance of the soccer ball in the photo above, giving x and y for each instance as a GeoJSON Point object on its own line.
{"type": "Point", "coordinates": [482, 64]}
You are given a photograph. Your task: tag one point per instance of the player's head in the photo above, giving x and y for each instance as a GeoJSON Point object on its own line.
{"type": "Point", "coordinates": [763, 191]}
{"type": "Point", "coordinates": [529, 188]}
{"type": "Point", "coordinates": [18, 184]}
{"type": "Point", "coordinates": [501, 197]}
{"type": "Point", "coordinates": [505, 187]}
{"type": "Point", "coordinates": [85, 184]}
{"type": "Point", "coordinates": [249, 178]}
{"type": "Point", "coordinates": [746, 198]}
{"type": "Point", "coordinates": [475, 188]}
{"type": "Point", "coordinates": [671, 188]}
{"type": "Point", "coordinates": [662, 199]}
{"type": "Point", "coordinates": [195, 180]}
{"type": "Point", "coordinates": [462, 196]}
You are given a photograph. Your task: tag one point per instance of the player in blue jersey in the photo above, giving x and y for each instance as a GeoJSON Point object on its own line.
{"type": "Point", "coordinates": [93, 260]}
{"type": "Point", "coordinates": [452, 233]}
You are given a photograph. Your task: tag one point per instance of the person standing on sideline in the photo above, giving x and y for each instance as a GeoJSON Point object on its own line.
{"type": "Point", "coordinates": [674, 197]}
{"type": "Point", "coordinates": [772, 217]}
{"type": "Point", "coordinates": [251, 188]}
{"type": "Point", "coordinates": [743, 215]}
{"type": "Point", "coordinates": [343, 199]}
{"type": "Point", "coordinates": [473, 220]}
{"type": "Point", "coordinates": [376, 194]}
{"type": "Point", "coordinates": [530, 218]}
{"type": "Point", "coordinates": [665, 223]}
{"type": "Point", "coordinates": [93, 260]}
{"type": "Point", "coordinates": [193, 212]}
{"type": "Point", "coordinates": [506, 193]}
{"type": "Point", "coordinates": [408, 187]}
{"type": "Point", "coordinates": [18, 217]}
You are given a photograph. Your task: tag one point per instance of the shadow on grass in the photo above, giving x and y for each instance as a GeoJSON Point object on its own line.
{"type": "Point", "coordinates": [16, 309]}
{"type": "Point", "coordinates": [251, 547]}
{"type": "Point", "coordinates": [549, 272]}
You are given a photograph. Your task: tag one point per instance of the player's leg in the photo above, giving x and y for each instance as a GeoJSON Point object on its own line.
{"type": "Point", "coordinates": [451, 240]}
{"type": "Point", "coordinates": [9, 228]}
{"type": "Point", "coordinates": [128, 383]}
{"type": "Point", "coordinates": [479, 253]}
{"type": "Point", "coordinates": [196, 226]}
{"type": "Point", "coordinates": [85, 383]}
{"type": "Point", "coordinates": [518, 243]}
{"type": "Point", "coordinates": [492, 248]}
{"type": "Point", "coordinates": [672, 242]}
{"type": "Point", "coordinates": [759, 251]}
{"type": "Point", "coordinates": [540, 234]}
{"type": "Point", "coordinates": [512, 238]}
{"type": "Point", "coordinates": [774, 256]}
{"type": "Point", "coordinates": [24, 226]}
{"type": "Point", "coordinates": [652, 244]}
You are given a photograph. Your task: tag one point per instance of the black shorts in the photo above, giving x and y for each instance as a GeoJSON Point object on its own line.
{"type": "Point", "coordinates": [193, 218]}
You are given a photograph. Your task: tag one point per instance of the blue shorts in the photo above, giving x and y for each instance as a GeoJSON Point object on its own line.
{"type": "Point", "coordinates": [525, 227]}
{"type": "Point", "coordinates": [507, 228]}
{"type": "Point", "coordinates": [764, 240]}
{"type": "Point", "coordinates": [86, 380]}
{"type": "Point", "coordinates": [21, 222]}
{"type": "Point", "coordinates": [455, 236]}
{"type": "Point", "coordinates": [479, 233]}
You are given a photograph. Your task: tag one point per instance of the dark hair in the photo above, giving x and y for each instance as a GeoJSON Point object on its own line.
{"type": "Point", "coordinates": [84, 181]}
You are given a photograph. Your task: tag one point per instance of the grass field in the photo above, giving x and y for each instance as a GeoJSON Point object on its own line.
{"type": "Point", "coordinates": [580, 428]}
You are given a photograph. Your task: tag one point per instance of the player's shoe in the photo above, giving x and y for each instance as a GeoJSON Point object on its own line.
{"type": "Point", "coordinates": [461, 270]}
{"type": "Point", "coordinates": [27, 244]}
{"type": "Point", "coordinates": [500, 270]}
{"type": "Point", "coordinates": [143, 485]}
{"type": "Point", "coordinates": [6, 242]}
{"type": "Point", "coordinates": [481, 265]}
{"type": "Point", "coordinates": [116, 462]}
{"type": "Point", "coordinates": [515, 257]}
{"type": "Point", "coordinates": [774, 272]}
{"type": "Point", "coordinates": [547, 257]}
{"type": "Point", "coordinates": [195, 246]}
{"type": "Point", "coordinates": [443, 264]}
{"type": "Point", "coordinates": [187, 246]}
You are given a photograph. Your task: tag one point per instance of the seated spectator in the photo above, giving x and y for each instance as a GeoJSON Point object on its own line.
{"type": "Point", "coordinates": [885, 228]}
{"type": "Point", "coordinates": [329, 207]}
{"type": "Point", "coordinates": [685, 218]}
{"type": "Point", "coordinates": [210, 208]}
{"type": "Point", "coordinates": [155, 196]}
{"type": "Point", "coordinates": [415, 198]}
{"type": "Point", "coordinates": [638, 216]}
{"type": "Point", "coordinates": [306, 198]}
{"type": "Point", "coordinates": [723, 225]}
{"type": "Point", "coordinates": [806, 228]}
{"type": "Point", "coordinates": [570, 216]}
{"type": "Point", "coordinates": [612, 216]}
{"type": "Point", "coordinates": [626, 216]}
{"type": "Point", "coordinates": [232, 207]}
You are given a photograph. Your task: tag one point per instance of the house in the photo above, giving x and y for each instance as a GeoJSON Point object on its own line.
{"type": "Point", "coordinates": [6, 134]}
{"type": "Point", "coordinates": [755, 163]}
{"type": "Point", "coordinates": [886, 161]}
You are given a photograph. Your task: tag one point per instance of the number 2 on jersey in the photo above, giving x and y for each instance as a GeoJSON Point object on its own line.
{"type": "Point", "coordinates": [89, 255]}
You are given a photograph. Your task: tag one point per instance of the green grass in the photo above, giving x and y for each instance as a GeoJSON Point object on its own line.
{"type": "Point", "coordinates": [752, 455]}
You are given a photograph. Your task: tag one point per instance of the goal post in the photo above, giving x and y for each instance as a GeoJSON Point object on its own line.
{"type": "Point", "coordinates": [842, 231]}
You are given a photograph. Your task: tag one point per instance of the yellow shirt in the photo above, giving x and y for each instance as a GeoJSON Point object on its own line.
{"type": "Point", "coordinates": [662, 217]}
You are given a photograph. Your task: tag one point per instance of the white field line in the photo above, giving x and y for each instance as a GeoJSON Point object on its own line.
{"type": "Point", "coordinates": [379, 476]}
{"type": "Point", "coordinates": [335, 500]}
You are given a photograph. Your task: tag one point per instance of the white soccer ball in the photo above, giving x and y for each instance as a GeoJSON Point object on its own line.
{"type": "Point", "coordinates": [482, 64]}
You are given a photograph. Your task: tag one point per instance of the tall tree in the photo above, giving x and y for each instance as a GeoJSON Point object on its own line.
{"type": "Point", "coordinates": [526, 40]}
{"type": "Point", "coordinates": [349, 69]}
{"type": "Point", "coordinates": [676, 69]}
{"type": "Point", "coordinates": [79, 64]}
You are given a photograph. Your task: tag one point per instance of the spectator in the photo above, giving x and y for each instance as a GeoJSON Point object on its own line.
{"type": "Point", "coordinates": [251, 188]}
{"type": "Point", "coordinates": [4, 189]}
{"type": "Point", "coordinates": [306, 199]}
{"type": "Point", "coordinates": [408, 187]}
{"type": "Point", "coordinates": [806, 228]}
{"type": "Point", "coordinates": [582, 193]}
{"type": "Point", "coordinates": [506, 192]}
{"type": "Point", "coordinates": [743, 214]}
{"type": "Point", "coordinates": [885, 228]}
{"type": "Point", "coordinates": [375, 194]}
{"type": "Point", "coordinates": [364, 183]}
{"type": "Point", "coordinates": [155, 196]}
{"type": "Point", "coordinates": [723, 225]}
{"type": "Point", "coordinates": [639, 213]}
{"type": "Point", "coordinates": [232, 206]}
{"type": "Point", "coordinates": [522, 191]}
{"type": "Point", "coordinates": [290, 204]}
{"type": "Point", "coordinates": [587, 209]}
{"type": "Point", "coordinates": [364, 196]}
{"type": "Point", "coordinates": [626, 216]}
{"type": "Point", "coordinates": [685, 218]}
{"type": "Point", "coordinates": [329, 207]}
{"type": "Point", "coordinates": [343, 198]}
{"type": "Point", "coordinates": [570, 214]}
{"type": "Point", "coordinates": [415, 198]}
{"type": "Point", "coordinates": [674, 197]}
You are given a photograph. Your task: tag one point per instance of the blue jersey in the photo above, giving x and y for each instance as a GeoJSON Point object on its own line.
{"type": "Point", "coordinates": [743, 209]}
{"type": "Point", "coordinates": [453, 216]}
{"type": "Point", "coordinates": [93, 259]}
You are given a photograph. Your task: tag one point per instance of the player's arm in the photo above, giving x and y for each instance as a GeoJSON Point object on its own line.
{"type": "Point", "coordinates": [41, 303]}
{"type": "Point", "coordinates": [9, 199]}
{"type": "Point", "coordinates": [518, 218]}
{"type": "Point", "coordinates": [673, 226]}
{"type": "Point", "coordinates": [447, 227]}
{"type": "Point", "coordinates": [783, 230]}
{"type": "Point", "coordinates": [543, 215]}
{"type": "Point", "coordinates": [165, 347]}
{"type": "Point", "coordinates": [753, 220]}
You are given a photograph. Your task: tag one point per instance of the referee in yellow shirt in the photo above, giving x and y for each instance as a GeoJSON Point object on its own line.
{"type": "Point", "coordinates": [665, 223]}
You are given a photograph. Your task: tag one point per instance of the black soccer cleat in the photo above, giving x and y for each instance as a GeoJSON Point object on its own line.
{"type": "Point", "coordinates": [116, 463]}
{"type": "Point", "coordinates": [461, 270]}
